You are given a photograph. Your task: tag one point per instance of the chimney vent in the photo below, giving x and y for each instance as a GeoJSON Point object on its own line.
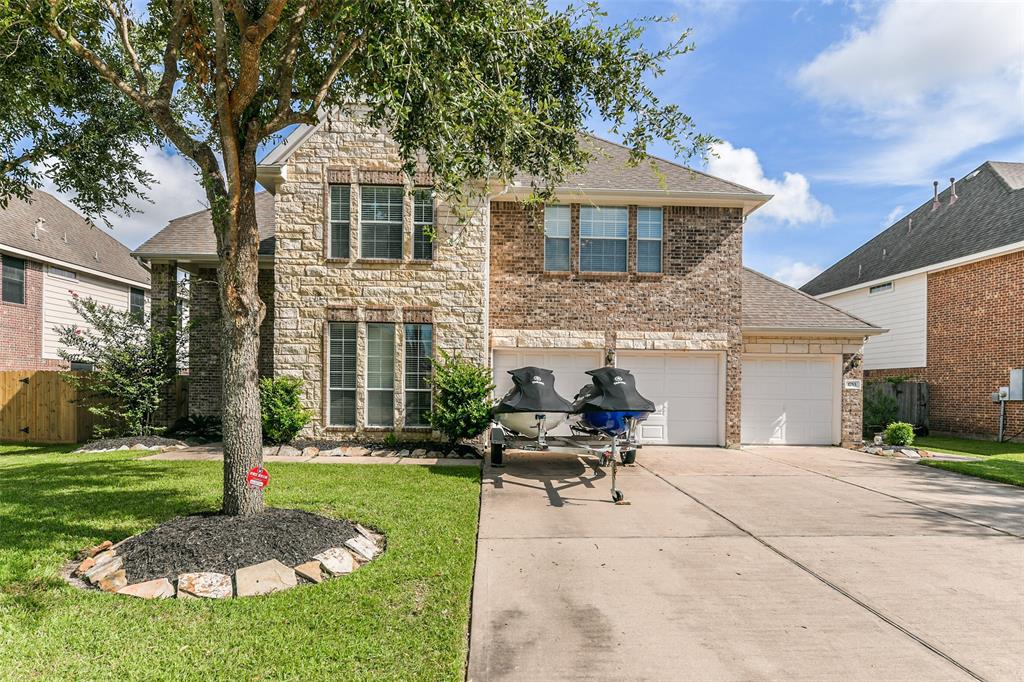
{"type": "Point", "coordinates": [858, 270]}
{"type": "Point", "coordinates": [38, 228]}
{"type": "Point", "coordinates": [935, 195]}
{"type": "Point", "coordinates": [910, 225]}
{"type": "Point", "coordinates": [952, 190]}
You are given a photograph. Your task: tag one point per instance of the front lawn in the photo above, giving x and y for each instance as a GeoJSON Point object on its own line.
{"type": "Point", "coordinates": [1002, 468]}
{"type": "Point", "coordinates": [402, 617]}
{"type": "Point", "coordinates": [967, 446]}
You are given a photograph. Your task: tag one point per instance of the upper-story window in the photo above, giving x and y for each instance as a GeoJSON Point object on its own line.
{"type": "Point", "coordinates": [648, 239]}
{"type": "Point", "coordinates": [557, 223]}
{"type": "Point", "coordinates": [880, 288]}
{"type": "Point", "coordinates": [381, 222]}
{"type": "Point", "coordinates": [137, 302]}
{"type": "Point", "coordinates": [61, 272]}
{"type": "Point", "coordinates": [13, 280]}
{"type": "Point", "coordinates": [423, 224]}
{"type": "Point", "coordinates": [340, 216]}
{"type": "Point", "coordinates": [604, 233]}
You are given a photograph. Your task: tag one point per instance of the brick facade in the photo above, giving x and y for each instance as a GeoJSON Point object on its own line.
{"type": "Point", "coordinates": [975, 336]}
{"type": "Point", "coordinates": [907, 373]}
{"type": "Point", "coordinates": [694, 304]}
{"type": "Point", "coordinates": [21, 326]}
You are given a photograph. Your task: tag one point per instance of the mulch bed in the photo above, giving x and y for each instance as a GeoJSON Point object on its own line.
{"type": "Point", "coordinates": [447, 449]}
{"type": "Point", "coordinates": [131, 441]}
{"type": "Point", "coordinates": [223, 544]}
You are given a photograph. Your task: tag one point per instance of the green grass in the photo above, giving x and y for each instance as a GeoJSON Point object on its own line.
{"type": "Point", "coordinates": [968, 446]}
{"type": "Point", "coordinates": [402, 617]}
{"type": "Point", "coordinates": [1002, 468]}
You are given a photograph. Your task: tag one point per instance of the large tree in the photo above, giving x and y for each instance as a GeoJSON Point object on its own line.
{"type": "Point", "coordinates": [477, 88]}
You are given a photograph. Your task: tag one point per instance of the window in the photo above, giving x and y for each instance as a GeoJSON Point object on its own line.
{"type": "Point", "coordinates": [381, 217]}
{"type": "Point", "coordinates": [13, 280]}
{"type": "Point", "coordinates": [340, 215]}
{"type": "Point", "coordinates": [880, 288]}
{"type": "Point", "coordinates": [603, 238]}
{"type": "Point", "coordinates": [137, 302]}
{"type": "Point", "coordinates": [61, 272]}
{"type": "Point", "coordinates": [342, 374]}
{"type": "Point", "coordinates": [556, 238]}
{"type": "Point", "coordinates": [380, 374]}
{"type": "Point", "coordinates": [423, 224]}
{"type": "Point", "coordinates": [419, 349]}
{"type": "Point", "coordinates": [648, 239]}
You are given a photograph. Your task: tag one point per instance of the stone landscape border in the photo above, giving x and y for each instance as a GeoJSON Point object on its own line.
{"type": "Point", "coordinates": [100, 567]}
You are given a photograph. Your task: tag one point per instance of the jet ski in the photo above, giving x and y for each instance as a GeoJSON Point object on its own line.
{"type": "Point", "coordinates": [531, 407]}
{"type": "Point", "coordinates": [610, 404]}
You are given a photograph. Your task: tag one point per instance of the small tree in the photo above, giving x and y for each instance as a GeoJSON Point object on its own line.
{"type": "Point", "coordinates": [130, 366]}
{"type": "Point", "coordinates": [462, 398]}
{"type": "Point", "coordinates": [281, 409]}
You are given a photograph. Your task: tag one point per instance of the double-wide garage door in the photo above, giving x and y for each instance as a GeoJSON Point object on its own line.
{"type": "Point", "coordinates": [685, 387]}
{"type": "Point", "coordinates": [788, 400]}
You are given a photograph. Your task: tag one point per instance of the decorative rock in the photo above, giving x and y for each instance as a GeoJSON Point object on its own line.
{"type": "Point", "coordinates": [434, 454]}
{"type": "Point", "coordinates": [366, 549]}
{"type": "Point", "coordinates": [356, 451]}
{"type": "Point", "coordinates": [336, 561]}
{"type": "Point", "coordinates": [160, 588]}
{"type": "Point", "coordinates": [114, 581]}
{"type": "Point", "coordinates": [139, 446]}
{"type": "Point", "coordinates": [269, 576]}
{"type": "Point", "coordinates": [86, 564]}
{"type": "Point", "coordinates": [373, 537]}
{"type": "Point", "coordinates": [207, 585]}
{"type": "Point", "coordinates": [384, 452]}
{"type": "Point", "coordinates": [311, 570]}
{"type": "Point", "coordinates": [403, 453]}
{"type": "Point", "coordinates": [310, 451]}
{"type": "Point", "coordinates": [912, 454]}
{"type": "Point", "coordinates": [270, 450]}
{"type": "Point", "coordinates": [289, 451]}
{"type": "Point", "coordinates": [93, 551]}
{"type": "Point", "coordinates": [419, 453]}
{"type": "Point", "coordinates": [102, 569]}
{"type": "Point", "coordinates": [333, 452]}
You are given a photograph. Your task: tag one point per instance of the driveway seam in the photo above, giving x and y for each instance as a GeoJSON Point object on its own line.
{"type": "Point", "coordinates": [825, 581]}
{"type": "Point", "coordinates": [894, 497]}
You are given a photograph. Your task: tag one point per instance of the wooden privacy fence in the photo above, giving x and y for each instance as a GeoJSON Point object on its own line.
{"type": "Point", "coordinates": [40, 406]}
{"type": "Point", "coordinates": [911, 399]}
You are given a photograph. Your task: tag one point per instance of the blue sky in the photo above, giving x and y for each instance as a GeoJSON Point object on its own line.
{"type": "Point", "coordinates": [846, 111]}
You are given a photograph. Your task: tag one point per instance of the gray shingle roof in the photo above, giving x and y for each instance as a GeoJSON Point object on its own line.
{"type": "Point", "coordinates": [192, 234]}
{"type": "Point", "coordinates": [988, 213]}
{"type": "Point", "coordinates": [609, 169]}
{"type": "Point", "coordinates": [768, 303]}
{"type": "Point", "coordinates": [87, 245]}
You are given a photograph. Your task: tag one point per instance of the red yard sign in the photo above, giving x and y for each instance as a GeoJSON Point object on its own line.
{"type": "Point", "coordinates": [258, 477]}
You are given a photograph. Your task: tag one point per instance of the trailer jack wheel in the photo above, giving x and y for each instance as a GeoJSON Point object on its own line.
{"type": "Point", "coordinates": [617, 496]}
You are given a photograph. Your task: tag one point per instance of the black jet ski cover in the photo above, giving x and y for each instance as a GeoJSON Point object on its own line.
{"type": "Point", "coordinates": [613, 390]}
{"type": "Point", "coordinates": [533, 390]}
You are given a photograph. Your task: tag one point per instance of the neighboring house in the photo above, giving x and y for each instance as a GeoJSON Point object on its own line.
{"type": "Point", "coordinates": [631, 266]}
{"type": "Point", "coordinates": [948, 281]}
{"type": "Point", "coordinates": [48, 251]}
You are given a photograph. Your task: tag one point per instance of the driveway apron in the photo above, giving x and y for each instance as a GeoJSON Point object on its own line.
{"type": "Point", "coordinates": [761, 564]}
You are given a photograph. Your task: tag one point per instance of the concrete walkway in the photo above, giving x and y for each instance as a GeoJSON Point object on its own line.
{"type": "Point", "coordinates": [775, 563]}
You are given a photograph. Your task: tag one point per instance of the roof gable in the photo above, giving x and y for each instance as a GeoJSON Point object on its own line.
{"type": "Point", "coordinates": [988, 213]}
{"type": "Point", "coordinates": [192, 235]}
{"type": "Point", "coordinates": [770, 304]}
{"type": "Point", "coordinates": [67, 237]}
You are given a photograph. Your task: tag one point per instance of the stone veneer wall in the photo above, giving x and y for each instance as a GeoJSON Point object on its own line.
{"type": "Point", "coordinates": [694, 304]}
{"type": "Point", "coordinates": [450, 291]}
{"type": "Point", "coordinates": [21, 326]}
{"type": "Point", "coordinates": [204, 389]}
{"type": "Point", "coordinates": [851, 349]}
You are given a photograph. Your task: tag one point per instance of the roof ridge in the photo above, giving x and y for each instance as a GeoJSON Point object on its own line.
{"type": "Point", "coordinates": [808, 296]}
{"type": "Point", "coordinates": [677, 165]}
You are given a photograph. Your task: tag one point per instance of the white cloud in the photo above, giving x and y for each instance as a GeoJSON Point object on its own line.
{"type": "Point", "coordinates": [797, 273]}
{"type": "Point", "coordinates": [892, 216]}
{"type": "Point", "coordinates": [793, 203]}
{"type": "Point", "coordinates": [928, 81]}
{"type": "Point", "coordinates": [175, 191]}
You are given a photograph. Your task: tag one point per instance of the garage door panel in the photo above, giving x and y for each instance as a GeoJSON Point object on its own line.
{"type": "Point", "coordinates": [788, 400]}
{"type": "Point", "coordinates": [685, 390]}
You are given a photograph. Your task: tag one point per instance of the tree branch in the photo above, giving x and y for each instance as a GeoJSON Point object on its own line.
{"type": "Point", "coordinates": [119, 15]}
{"type": "Point", "coordinates": [332, 73]}
{"type": "Point", "coordinates": [286, 71]}
{"type": "Point", "coordinates": [253, 36]}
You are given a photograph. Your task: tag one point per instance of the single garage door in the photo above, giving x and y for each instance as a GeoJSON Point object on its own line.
{"type": "Point", "coordinates": [790, 400]}
{"type": "Point", "coordinates": [685, 389]}
{"type": "Point", "coordinates": [570, 368]}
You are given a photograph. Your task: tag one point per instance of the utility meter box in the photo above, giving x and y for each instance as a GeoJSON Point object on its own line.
{"type": "Point", "coordinates": [1016, 384]}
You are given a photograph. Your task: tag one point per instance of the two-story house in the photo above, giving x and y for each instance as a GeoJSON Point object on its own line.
{"type": "Point", "coordinates": [48, 252]}
{"type": "Point", "coordinates": [946, 279]}
{"type": "Point", "coordinates": [367, 275]}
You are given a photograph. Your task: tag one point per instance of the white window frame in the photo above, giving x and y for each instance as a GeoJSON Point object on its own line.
{"type": "Point", "coordinates": [596, 220]}
{"type": "Point", "coordinates": [660, 239]}
{"type": "Point", "coordinates": [883, 288]}
{"type": "Point", "coordinates": [427, 390]}
{"type": "Point", "coordinates": [331, 388]}
{"type": "Point", "coordinates": [379, 389]}
{"type": "Point", "coordinates": [364, 222]}
{"type": "Point", "coordinates": [63, 273]}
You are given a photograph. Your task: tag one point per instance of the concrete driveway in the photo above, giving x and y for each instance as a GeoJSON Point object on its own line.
{"type": "Point", "coordinates": [773, 563]}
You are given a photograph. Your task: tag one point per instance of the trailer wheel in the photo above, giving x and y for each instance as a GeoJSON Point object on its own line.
{"type": "Point", "coordinates": [629, 457]}
{"type": "Point", "coordinates": [497, 455]}
{"type": "Point", "coordinates": [617, 496]}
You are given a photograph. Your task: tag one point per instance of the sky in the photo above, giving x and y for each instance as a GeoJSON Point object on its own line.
{"type": "Point", "coordinates": [845, 111]}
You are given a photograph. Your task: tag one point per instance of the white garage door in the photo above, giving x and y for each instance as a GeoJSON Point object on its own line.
{"type": "Point", "coordinates": [569, 366]}
{"type": "Point", "coordinates": [790, 400]}
{"type": "Point", "coordinates": [685, 389]}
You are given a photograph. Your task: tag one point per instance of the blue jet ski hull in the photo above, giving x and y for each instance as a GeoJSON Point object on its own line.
{"type": "Point", "coordinates": [612, 423]}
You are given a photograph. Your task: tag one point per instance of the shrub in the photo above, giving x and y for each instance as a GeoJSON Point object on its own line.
{"type": "Point", "coordinates": [132, 364]}
{"type": "Point", "coordinates": [899, 433]}
{"type": "Point", "coordinates": [462, 398]}
{"type": "Point", "coordinates": [281, 409]}
{"type": "Point", "coordinates": [880, 410]}
{"type": "Point", "coordinates": [199, 427]}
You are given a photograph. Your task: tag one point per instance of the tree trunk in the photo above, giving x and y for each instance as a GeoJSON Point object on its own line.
{"type": "Point", "coordinates": [242, 311]}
